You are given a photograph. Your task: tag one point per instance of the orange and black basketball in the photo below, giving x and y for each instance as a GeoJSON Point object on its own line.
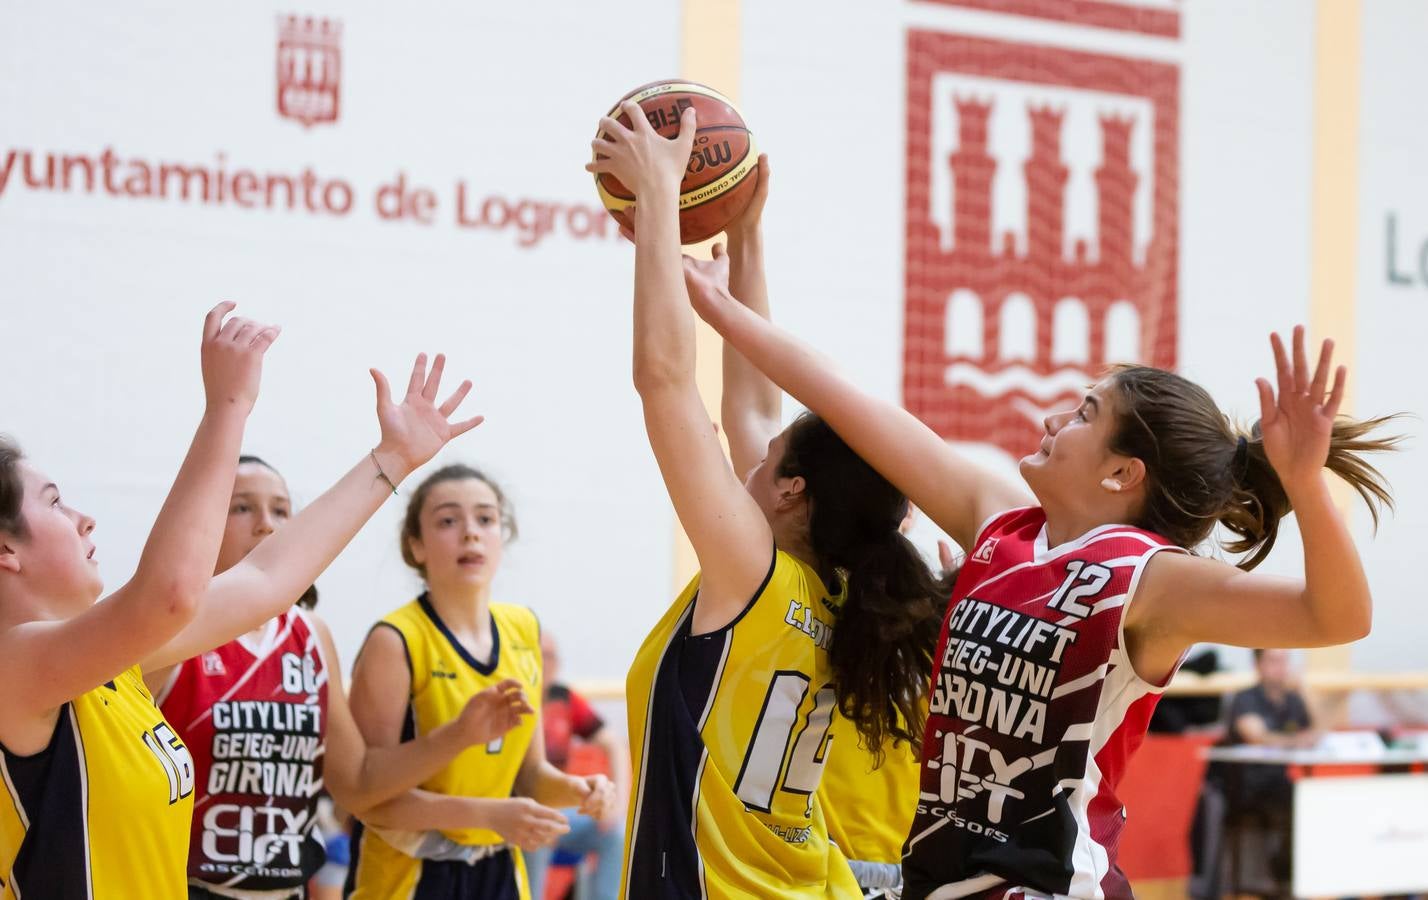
{"type": "Point", "coordinates": [717, 186]}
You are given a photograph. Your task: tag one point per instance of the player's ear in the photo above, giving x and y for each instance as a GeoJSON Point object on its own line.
{"type": "Point", "coordinates": [9, 559]}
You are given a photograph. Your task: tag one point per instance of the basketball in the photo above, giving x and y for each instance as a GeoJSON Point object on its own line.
{"type": "Point", "coordinates": [717, 186]}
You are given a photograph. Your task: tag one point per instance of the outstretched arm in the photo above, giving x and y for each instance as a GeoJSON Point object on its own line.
{"type": "Point", "coordinates": [1186, 599]}
{"type": "Point", "coordinates": [44, 664]}
{"type": "Point", "coordinates": [729, 533]}
{"type": "Point", "coordinates": [751, 408]}
{"type": "Point", "coordinates": [270, 578]}
{"type": "Point", "coordinates": [954, 492]}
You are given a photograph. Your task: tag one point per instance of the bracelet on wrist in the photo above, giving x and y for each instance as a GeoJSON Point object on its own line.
{"type": "Point", "coordinates": [380, 474]}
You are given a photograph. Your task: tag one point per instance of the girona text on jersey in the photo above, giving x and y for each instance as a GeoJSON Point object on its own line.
{"type": "Point", "coordinates": [1034, 712]}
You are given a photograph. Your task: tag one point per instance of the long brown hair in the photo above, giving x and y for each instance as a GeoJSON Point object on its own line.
{"type": "Point", "coordinates": [1201, 469]}
{"type": "Point", "coordinates": [882, 646]}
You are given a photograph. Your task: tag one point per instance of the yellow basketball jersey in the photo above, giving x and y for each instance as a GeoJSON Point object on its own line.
{"type": "Point", "coordinates": [869, 810]}
{"type": "Point", "coordinates": [103, 812]}
{"type": "Point", "coordinates": [444, 677]}
{"type": "Point", "coordinates": [729, 733]}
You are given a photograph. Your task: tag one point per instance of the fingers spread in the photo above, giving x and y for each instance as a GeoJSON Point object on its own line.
{"type": "Point", "coordinates": [418, 375]}
{"type": "Point", "coordinates": [384, 391]}
{"type": "Point", "coordinates": [1267, 409]}
{"type": "Point", "coordinates": [460, 428]}
{"type": "Point", "coordinates": [455, 399]}
{"type": "Point", "coordinates": [1301, 362]}
{"type": "Point", "coordinates": [1321, 371]}
{"type": "Point", "coordinates": [1336, 396]}
{"type": "Point", "coordinates": [1282, 372]}
{"type": "Point", "coordinates": [433, 380]}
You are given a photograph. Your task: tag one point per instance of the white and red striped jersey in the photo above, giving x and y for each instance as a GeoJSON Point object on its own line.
{"type": "Point", "coordinates": [1034, 712]}
{"type": "Point", "coordinates": [254, 715]}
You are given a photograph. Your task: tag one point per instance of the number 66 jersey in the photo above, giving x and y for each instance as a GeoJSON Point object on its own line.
{"type": "Point", "coordinates": [728, 733]}
{"type": "Point", "coordinates": [1034, 712]}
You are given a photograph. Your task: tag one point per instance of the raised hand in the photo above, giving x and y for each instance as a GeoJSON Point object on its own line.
{"type": "Point", "coordinates": [493, 712]}
{"type": "Point", "coordinates": [528, 824]}
{"type": "Point", "coordinates": [1296, 423]}
{"type": "Point", "coordinates": [707, 281]}
{"type": "Point", "coordinates": [232, 358]}
{"type": "Point", "coordinates": [638, 155]}
{"type": "Point", "coordinates": [414, 430]}
{"type": "Point", "coordinates": [748, 221]}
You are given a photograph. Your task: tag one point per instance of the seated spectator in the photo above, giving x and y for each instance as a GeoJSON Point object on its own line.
{"type": "Point", "coordinates": [566, 716]}
{"type": "Point", "coordinates": [1255, 802]}
{"type": "Point", "coordinates": [1272, 714]}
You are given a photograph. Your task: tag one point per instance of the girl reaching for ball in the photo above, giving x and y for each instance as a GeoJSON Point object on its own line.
{"type": "Point", "coordinates": [1079, 595]}
{"type": "Point", "coordinates": [98, 788]}
{"type": "Point", "coordinates": [97, 773]}
{"type": "Point", "coordinates": [808, 599]}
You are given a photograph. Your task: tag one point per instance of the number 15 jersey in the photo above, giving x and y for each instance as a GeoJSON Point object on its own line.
{"type": "Point", "coordinates": [729, 732]}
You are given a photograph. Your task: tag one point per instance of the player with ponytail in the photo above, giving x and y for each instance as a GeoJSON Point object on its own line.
{"type": "Point", "coordinates": [809, 603]}
{"type": "Point", "coordinates": [1080, 593]}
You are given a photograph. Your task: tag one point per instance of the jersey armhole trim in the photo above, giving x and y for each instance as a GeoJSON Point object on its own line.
{"type": "Point", "coordinates": [406, 652]}
{"type": "Point", "coordinates": [1121, 645]}
{"type": "Point", "coordinates": [759, 592]}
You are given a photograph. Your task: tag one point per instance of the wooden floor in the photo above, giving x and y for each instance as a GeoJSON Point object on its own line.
{"type": "Point", "coordinates": [1164, 889]}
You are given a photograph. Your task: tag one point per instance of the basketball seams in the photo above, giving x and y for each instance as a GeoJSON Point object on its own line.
{"type": "Point", "coordinates": [705, 206]}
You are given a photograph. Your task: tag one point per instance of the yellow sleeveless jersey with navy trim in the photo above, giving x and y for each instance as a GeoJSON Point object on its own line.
{"type": "Point", "coordinates": [444, 677]}
{"type": "Point", "coordinates": [869, 810]}
{"type": "Point", "coordinates": [729, 734]}
{"type": "Point", "coordinates": [103, 812]}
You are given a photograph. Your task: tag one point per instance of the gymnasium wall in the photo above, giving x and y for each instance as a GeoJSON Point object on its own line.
{"type": "Point", "coordinates": [493, 248]}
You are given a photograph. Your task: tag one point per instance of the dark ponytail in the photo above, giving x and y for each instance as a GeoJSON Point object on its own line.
{"type": "Point", "coordinates": [1201, 470]}
{"type": "Point", "coordinates": [882, 647]}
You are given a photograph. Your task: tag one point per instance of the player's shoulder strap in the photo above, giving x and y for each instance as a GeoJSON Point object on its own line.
{"type": "Point", "coordinates": [515, 621]}
{"type": "Point", "coordinates": [414, 627]}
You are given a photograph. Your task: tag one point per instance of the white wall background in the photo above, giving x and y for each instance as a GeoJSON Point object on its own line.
{"type": "Point", "coordinates": [101, 298]}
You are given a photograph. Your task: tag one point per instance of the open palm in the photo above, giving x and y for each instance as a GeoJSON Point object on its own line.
{"type": "Point", "coordinates": [1297, 420]}
{"type": "Point", "coordinates": [415, 429]}
{"type": "Point", "coordinates": [707, 281]}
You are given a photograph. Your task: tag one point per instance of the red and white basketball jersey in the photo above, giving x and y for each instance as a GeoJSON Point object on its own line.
{"type": "Point", "coordinates": [253, 715]}
{"type": "Point", "coordinates": [1034, 712]}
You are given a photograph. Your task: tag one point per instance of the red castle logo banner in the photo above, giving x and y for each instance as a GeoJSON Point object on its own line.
{"type": "Point", "coordinates": [309, 69]}
{"type": "Point", "coordinates": [1003, 325]}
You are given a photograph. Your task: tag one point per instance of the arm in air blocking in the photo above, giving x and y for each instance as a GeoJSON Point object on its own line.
{"type": "Point", "coordinates": [44, 664]}
{"type": "Point", "coordinates": [1184, 599]}
{"type": "Point", "coordinates": [268, 580]}
{"type": "Point", "coordinates": [730, 535]}
{"type": "Point", "coordinates": [751, 405]}
{"type": "Point", "coordinates": [953, 491]}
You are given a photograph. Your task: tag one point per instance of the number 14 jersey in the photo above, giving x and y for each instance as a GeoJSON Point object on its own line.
{"type": "Point", "coordinates": [729, 732]}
